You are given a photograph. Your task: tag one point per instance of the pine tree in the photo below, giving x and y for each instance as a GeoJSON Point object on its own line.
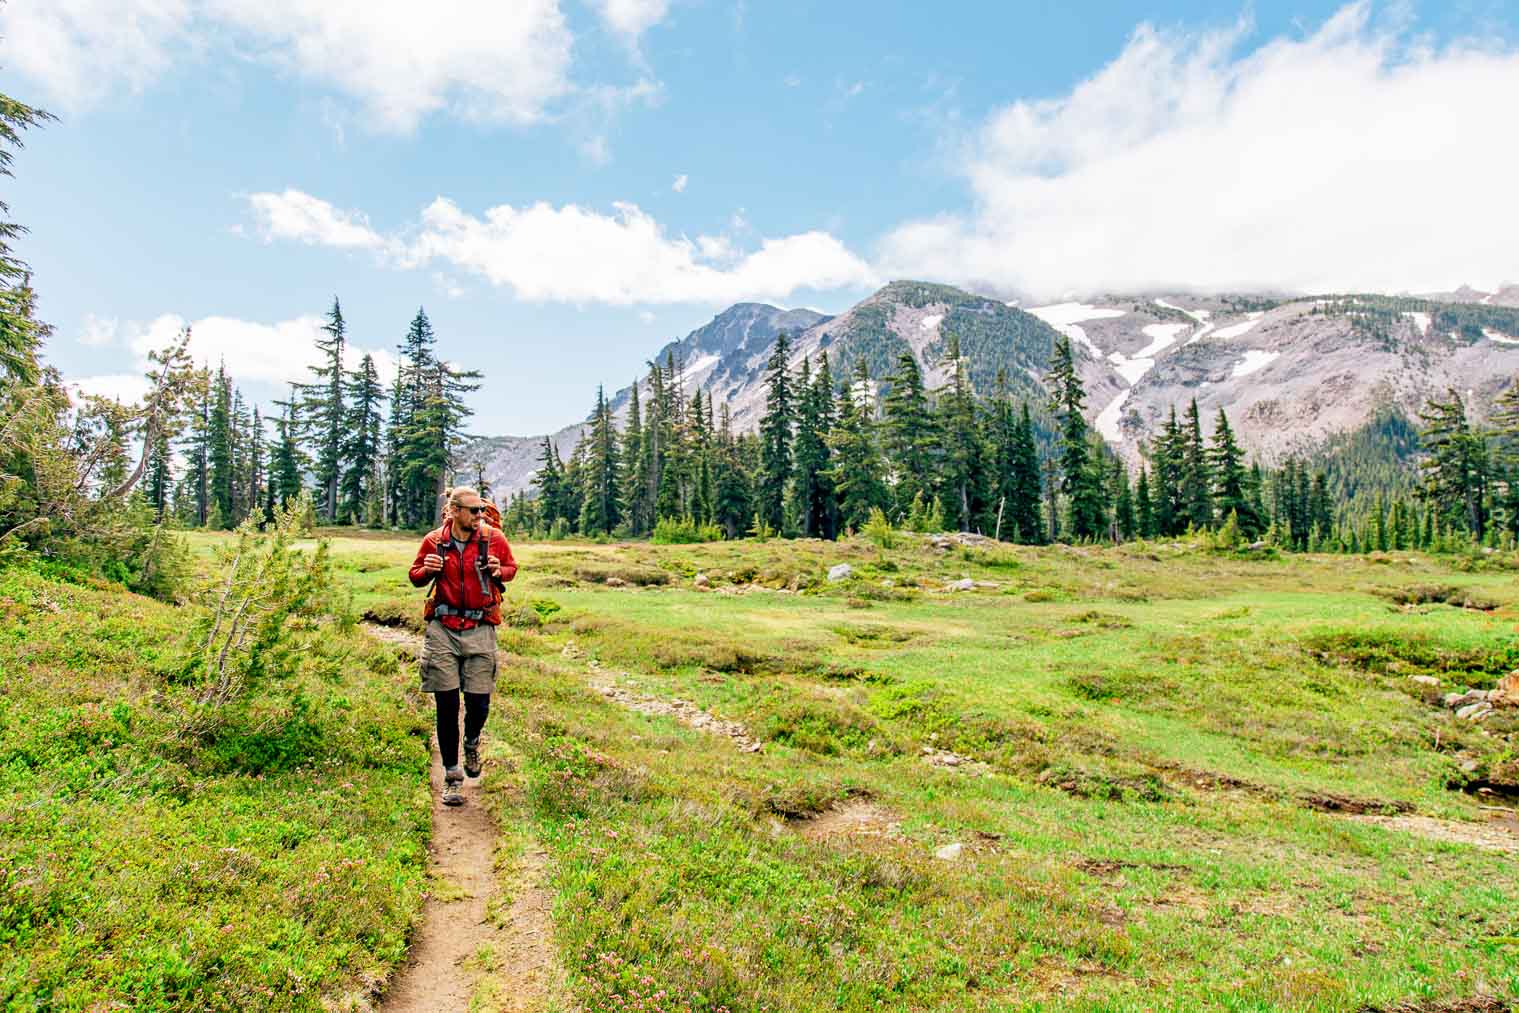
{"type": "Point", "coordinates": [160, 480]}
{"type": "Point", "coordinates": [1455, 468]}
{"type": "Point", "coordinates": [287, 465]}
{"type": "Point", "coordinates": [362, 441]}
{"type": "Point", "coordinates": [1002, 449]}
{"type": "Point", "coordinates": [1230, 493]}
{"type": "Point", "coordinates": [433, 433]}
{"type": "Point", "coordinates": [548, 480]}
{"type": "Point", "coordinates": [1124, 522]}
{"type": "Point", "coordinates": [254, 479]}
{"type": "Point", "coordinates": [1080, 480]}
{"type": "Point", "coordinates": [908, 435]}
{"type": "Point", "coordinates": [601, 509]}
{"type": "Point", "coordinates": [1196, 475]}
{"type": "Point", "coordinates": [220, 451]}
{"type": "Point", "coordinates": [1024, 491]}
{"type": "Point", "coordinates": [1144, 506]}
{"type": "Point", "coordinates": [732, 508]}
{"type": "Point", "coordinates": [325, 413]}
{"type": "Point", "coordinates": [400, 414]}
{"type": "Point", "coordinates": [638, 512]}
{"type": "Point", "coordinates": [856, 468]}
{"type": "Point", "coordinates": [197, 448]}
{"type": "Point", "coordinates": [812, 490]}
{"type": "Point", "coordinates": [963, 471]}
{"type": "Point", "coordinates": [1166, 461]}
{"type": "Point", "coordinates": [775, 431]}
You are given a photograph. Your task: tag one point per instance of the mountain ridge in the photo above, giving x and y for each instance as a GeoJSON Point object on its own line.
{"type": "Point", "coordinates": [1292, 371]}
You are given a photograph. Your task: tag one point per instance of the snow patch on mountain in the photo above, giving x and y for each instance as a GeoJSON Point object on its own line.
{"type": "Point", "coordinates": [931, 322]}
{"type": "Point", "coordinates": [1254, 361]}
{"type": "Point", "coordinates": [1162, 337]}
{"type": "Point", "coordinates": [1108, 419]}
{"type": "Point", "coordinates": [1199, 315]}
{"type": "Point", "coordinates": [1493, 335]}
{"type": "Point", "coordinates": [1065, 317]}
{"type": "Point", "coordinates": [1236, 330]}
{"type": "Point", "coordinates": [1421, 321]}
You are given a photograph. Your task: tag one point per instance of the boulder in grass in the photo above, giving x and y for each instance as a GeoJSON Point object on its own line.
{"type": "Point", "coordinates": [842, 571]}
{"type": "Point", "coordinates": [1506, 693]}
{"type": "Point", "coordinates": [1475, 711]}
{"type": "Point", "coordinates": [1455, 701]}
{"type": "Point", "coordinates": [961, 585]}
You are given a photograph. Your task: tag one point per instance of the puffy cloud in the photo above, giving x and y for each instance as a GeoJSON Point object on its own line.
{"type": "Point", "coordinates": [273, 353]}
{"type": "Point", "coordinates": [679, 186]}
{"type": "Point", "coordinates": [98, 332]}
{"type": "Point", "coordinates": [575, 254]}
{"type": "Point", "coordinates": [128, 388]}
{"type": "Point", "coordinates": [307, 219]}
{"type": "Point", "coordinates": [400, 61]}
{"type": "Point", "coordinates": [1354, 158]}
{"type": "Point", "coordinates": [83, 50]}
{"type": "Point", "coordinates": [631, 18]}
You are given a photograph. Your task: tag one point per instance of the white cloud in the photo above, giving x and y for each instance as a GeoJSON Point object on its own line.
{"type": "Point", "coordinates": [128, 388]}
{"type": "Point", "coordinates": [98, 332]}
{"type": "Point", "coordinates": [273, 353]}
{"type": "Point", "coordinates": [631, 18]}
{"type": "Point", "coordinates": [595, 149]}
{"type": "Point", "coordinates": [575, 254]}
{"type": "Point", "coordinates": [83, 50]}
{"type": "Point", "coordinates": [645, 317]}
{"type": "Point", "coordinates": [399, 61]}
{"type": "Point", "coordinates": [307, 219]}
{"type": "Point", "coordinates": [679, 186]}
{"type": "Point", "coordinates": [1341, 160]}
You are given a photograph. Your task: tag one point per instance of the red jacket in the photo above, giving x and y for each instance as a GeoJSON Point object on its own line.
{"type": "Point", "coordinates": [459, 581]}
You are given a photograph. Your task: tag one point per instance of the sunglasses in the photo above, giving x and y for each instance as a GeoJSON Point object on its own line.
{"type": "Point", "coordinates": [476, 510]}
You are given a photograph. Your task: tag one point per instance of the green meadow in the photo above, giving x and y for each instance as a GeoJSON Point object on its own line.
{"type": "Point", "coordinates": [1147, 777]}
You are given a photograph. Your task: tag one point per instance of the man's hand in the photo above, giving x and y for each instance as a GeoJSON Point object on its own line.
{"type": "Point", "coordinates": [495, 567]}
{"type": "Point", "coordinates": [432, 563]}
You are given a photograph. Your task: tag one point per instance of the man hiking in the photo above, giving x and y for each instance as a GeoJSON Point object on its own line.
{"type": "Point", "coordinates": [468, 563]}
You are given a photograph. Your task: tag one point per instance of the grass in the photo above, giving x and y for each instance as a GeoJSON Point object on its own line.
{"type": "Point", "coordinates": [1155, 734]}
{"type": "Point", "coordinates": [279, 866]}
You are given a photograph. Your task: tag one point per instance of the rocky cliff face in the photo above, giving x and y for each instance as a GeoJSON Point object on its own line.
{"type": "Point", "coordinates": [1290, 371]}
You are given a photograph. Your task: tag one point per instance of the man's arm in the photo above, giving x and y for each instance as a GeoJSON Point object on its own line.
{"type": "Point", "coordinates": [502, 550]}
{"type": "Point", "coordinates": [421, 573]}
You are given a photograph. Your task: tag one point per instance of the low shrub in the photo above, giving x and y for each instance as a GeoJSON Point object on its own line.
{"type": "Point", "coordinates": [685, 531]}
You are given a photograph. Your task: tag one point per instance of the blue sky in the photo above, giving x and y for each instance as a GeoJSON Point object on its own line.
{"type": "Point", "coordinates": [236, 164]}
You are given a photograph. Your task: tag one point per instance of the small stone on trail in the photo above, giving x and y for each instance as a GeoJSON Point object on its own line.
{"type": "Point", "coordinates": [615, 582]}
{"type": "Point", "coordinates": [961, 585]}
{"type": "Point", "coordinates": [950, 852]}
{"type": "Point", "coordinates": [1424, 680]}
{"type": "Point", "coordinates": [842, 571]}
{"type": "Point", "coordinates": [702, 581]}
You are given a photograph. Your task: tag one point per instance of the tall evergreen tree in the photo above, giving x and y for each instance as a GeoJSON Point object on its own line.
{"type": "Point", "coordinates": [160, 479]}
{"type": "Point", "coordinates": [908, 435]}
{"type": "Point", "coordinates": [638, 511]}
{"type": "Point", "coordinates": [1455, 468]}
{"type": "Point", "coordinates": [1196, 475]}
{"type": "Point", "coordinates": [601, 510]}
{"type": "Point", "coordinates": [964, 470]}
{"type": "Point", "coordinates": [856, 467]}
{"type": "Point", "coordinates": [325, 413]}
{"type": "Point", "coordinates": [1024, 492]}
{"type": "Point", "coordinates": [1230, 479]}
{"type": "Point", "coordinates": [1167, 454]}
{"type": "Point", "coordinates": [775, 430]}
{"type": "Point", "coordinates": [812, 492]}
{"type": "Point", "coordinates": [549, 482]}
{"type": "Point", "coordinates": [362, 444]}
{"type": "Point", "coordinates": [286, 466]}
{"type": "Point", "coordinates": [731, 506]}
{"type": "Point", "coordinates": [1144, 506]}
{"type": "Point", "coordinates": [220, 450]}
{"type": "Point", "coordinates": [1080, 480]}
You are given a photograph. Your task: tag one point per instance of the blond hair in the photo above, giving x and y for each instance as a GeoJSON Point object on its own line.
{"type": "Point", "coordinates": [453, 495]}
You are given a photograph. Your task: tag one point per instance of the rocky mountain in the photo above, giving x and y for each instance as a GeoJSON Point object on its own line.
{"type": "Point", "coordinates": [1290, 371]}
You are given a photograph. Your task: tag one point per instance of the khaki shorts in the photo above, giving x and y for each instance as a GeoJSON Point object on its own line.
{"type": "Point", "coordinates": [466, 657]}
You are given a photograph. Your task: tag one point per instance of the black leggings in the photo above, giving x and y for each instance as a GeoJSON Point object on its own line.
{"type": "Point", "coordinates": [477, 706]}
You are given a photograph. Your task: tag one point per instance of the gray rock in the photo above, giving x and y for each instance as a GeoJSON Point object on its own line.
{"type": "Point", "coordinates": [1475, 711]}
{"type": "Point", "coordinates": [1424, 680]}
{"type": "Point", "coordinates": [701, 580]}
{"type": "Point", "coordinates": [950, 852]}
{"type": "Point", "coordinates": [961, 585]}
{"type": "Point", "coordinates": [842, 571]}
{"type": "Point", "coordinates": [1458, 700]}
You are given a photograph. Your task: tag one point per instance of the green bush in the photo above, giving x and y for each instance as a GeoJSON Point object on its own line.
{"type": "Point", "coordinates": [685, 531]}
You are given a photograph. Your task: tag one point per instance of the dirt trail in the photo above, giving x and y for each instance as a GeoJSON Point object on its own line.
{"type": "Point", "coordinates": [474, 950]}
{"type": "Point", "coordinates": [454, 923]}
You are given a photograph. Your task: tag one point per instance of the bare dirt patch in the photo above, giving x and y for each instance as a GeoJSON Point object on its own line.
{"type": "Point", "coordinates": [1497, 835]}
{"type": "Point", "coordinates": [860, 818]}
{"type": "Point", "coordinates": [1475, 1004]}
{"type": "Point", "coordinates": [684, 711]}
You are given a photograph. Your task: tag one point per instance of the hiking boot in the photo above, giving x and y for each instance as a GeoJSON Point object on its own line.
{"type": "Point", "coordinates": [472, 758]}
{"type": "Point", "coordinates": [453, 778]}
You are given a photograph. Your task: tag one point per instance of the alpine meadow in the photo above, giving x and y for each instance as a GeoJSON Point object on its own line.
{"type": "Point", "coordinates": [1071, 616]}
